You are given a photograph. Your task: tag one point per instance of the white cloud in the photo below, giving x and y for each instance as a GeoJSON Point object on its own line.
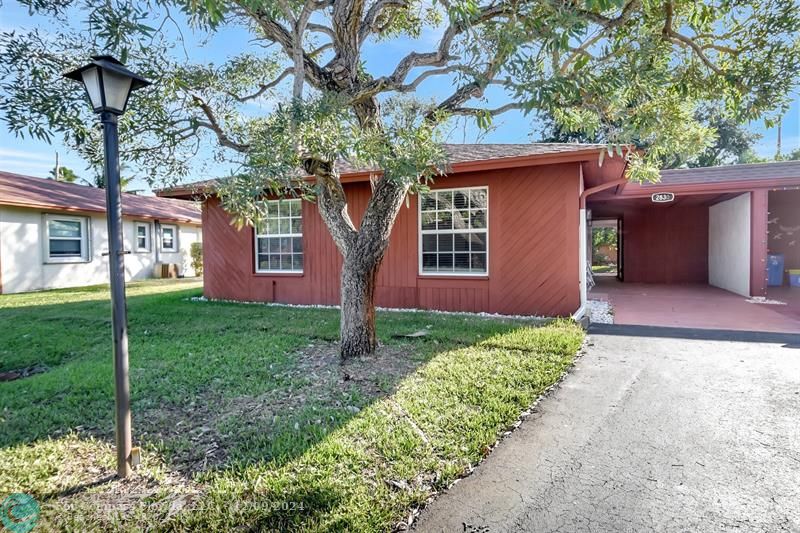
{"type": "Point", "coordinates": [26, 156]}
{"type": "Point", "coordinates": [25, 162]}
{"type": "Point", "coordinates": [26, 168]}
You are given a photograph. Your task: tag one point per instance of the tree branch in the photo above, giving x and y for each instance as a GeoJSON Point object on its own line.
{"type": "Point", "coordinates": [683, 40]}
{"type": "Point", "coordinates": [671, 35]}
{"type": "Point", "coordinates": [263, 88]}
{"type": "Point", "coordinates": [475, 111]}
{"type": "Point", "coordinates": [376, 224]}
{"type": "Point", "coordinates": [436, 58]}
{"type": "Point", "coordinates": [213, 125]}
{"type": "Point", "coordinates": [317, 76]}
{"type": "Point", "coordinates": [320, 28]}
{"type": "Point", "coordinates": [332, 203]}
{"type": "Point", "coordinates": [373, 14]}
{"type": "Point", "coordinates": [606, 25]}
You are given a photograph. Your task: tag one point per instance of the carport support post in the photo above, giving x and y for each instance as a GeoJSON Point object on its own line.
{"type": "Point", "coordinates": [119, 313]}
{"type": "Point", "coordinates": [583, 255]}
{"type": "Point", "coordinates": [583, 260]}
{"type": "Point", "coordinates": [759, 229]}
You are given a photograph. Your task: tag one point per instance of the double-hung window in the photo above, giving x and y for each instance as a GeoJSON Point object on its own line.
{"type": "Point", "coordinates": [169, 238]}
{"type": "Point", "coordinates": [142, 234]}
{"type": "Point", "coordinates": [279, 237]}
{"type": "Point", "coordinates": [454, 231]}
{"type": "Point", "coordinates": [67, 239]}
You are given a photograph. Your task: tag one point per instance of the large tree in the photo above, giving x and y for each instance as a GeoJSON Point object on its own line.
{"type": "Point", "coordinates": [633, 69]}
{"type": "Point", "coordinates": [732, 138]}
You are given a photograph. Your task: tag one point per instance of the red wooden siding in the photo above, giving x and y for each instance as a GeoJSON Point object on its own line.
{"type": "Point", "coordinates": [759, 214]}
{"type": "Point", "coordinates": [667, 244]}
{"type": "Point", "coordinates": [533, 251]}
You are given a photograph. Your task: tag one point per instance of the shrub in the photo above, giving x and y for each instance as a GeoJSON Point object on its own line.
{"type": "Point", "coordinates": [196, 251]}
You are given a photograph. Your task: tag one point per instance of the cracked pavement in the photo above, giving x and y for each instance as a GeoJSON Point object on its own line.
{"type": "Point", "coordinates": [647, 434]}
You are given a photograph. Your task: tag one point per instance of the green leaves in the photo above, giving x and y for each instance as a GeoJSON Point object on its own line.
{"type": "Point", "coordinates": [617, 71]}
{"type": "Point", "coordinates": [406, 148]}
{"type": "Point", "coordinates": [635, 73]}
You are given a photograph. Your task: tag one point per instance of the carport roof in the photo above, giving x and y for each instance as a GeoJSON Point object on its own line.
{"type": "Point", "coordinates": [727, 179]}
{"type": "Point", "coordinates": [778, 170]}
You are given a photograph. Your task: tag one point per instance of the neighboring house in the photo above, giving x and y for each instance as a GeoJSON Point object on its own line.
{"type": "Point", "coordinates": [53, 234]}
{"type": "Point", "coordinates": [506, 232]}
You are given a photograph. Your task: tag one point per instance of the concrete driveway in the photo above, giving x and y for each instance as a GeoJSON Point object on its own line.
{"type": "Point", "coordinates": [650, 431]}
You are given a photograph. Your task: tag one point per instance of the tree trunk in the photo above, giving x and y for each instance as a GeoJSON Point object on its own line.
{"type": "Point", "coordinates": [357, 329]}
{"type": "Point", "coordinates": [363, 248]}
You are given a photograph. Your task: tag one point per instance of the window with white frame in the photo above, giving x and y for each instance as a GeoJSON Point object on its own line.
{"type": "Point", "coordinates": [169, 238]}
{"type": "Point", "coordinates": [67, 238]}
{"type": "Point", "coordinates": [454, 231]}
{"type": "Point", "coordinates": [142, 234]}
{"type": "Point", "coordinates": [279, 237]}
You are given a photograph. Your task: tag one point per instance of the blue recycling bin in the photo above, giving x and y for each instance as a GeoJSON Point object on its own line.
{"type": "Point", "coordinates": [775, 270]}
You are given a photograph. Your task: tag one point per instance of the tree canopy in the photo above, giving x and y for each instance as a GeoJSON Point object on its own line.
{"type": "Point", "coordinates": [730, 143]}
{"type": "Point", "coordinates": [301, 97]}
{"type": "Point", "coordinates": [64, 174]}
{"type": "Point", "coordinates": [626, 70]}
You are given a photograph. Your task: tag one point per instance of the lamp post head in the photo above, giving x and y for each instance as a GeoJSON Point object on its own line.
{"type": "Point", "coordinates": [108, 83]}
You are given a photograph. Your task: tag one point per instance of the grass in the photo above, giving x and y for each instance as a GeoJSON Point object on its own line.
{"type": "Point", "coordinates": [601, 269]}
{"type": "Point", "coordinates": [245, 415]}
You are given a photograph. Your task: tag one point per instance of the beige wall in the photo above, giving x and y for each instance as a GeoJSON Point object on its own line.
{"type": "Point", "coordinates": [729, 245]}
{"type": "Point", "coordinates": [784, 226]}
{"type": "Point", "coordinates": [24, 267]}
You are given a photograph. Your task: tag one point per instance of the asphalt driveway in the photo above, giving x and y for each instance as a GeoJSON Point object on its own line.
{"type": "Point", "coordinates": [650, 432]}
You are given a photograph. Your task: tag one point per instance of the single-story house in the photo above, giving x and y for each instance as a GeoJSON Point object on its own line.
{"type": "Point", "coordinates": [53, 234]}
{"type": "Point", "coordinates": [505, 231]}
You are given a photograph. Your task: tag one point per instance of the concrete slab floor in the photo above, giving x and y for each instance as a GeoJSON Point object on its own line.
{"type": "Point", "coordinates": [698, 306]}
{"type": "Point", "coordinates": [647, 434]}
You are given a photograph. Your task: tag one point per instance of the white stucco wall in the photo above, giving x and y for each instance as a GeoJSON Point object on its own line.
{"type": "Point", "coordinates": [24, 267]}
{"type": "Point", "coordinates": [729, 245]}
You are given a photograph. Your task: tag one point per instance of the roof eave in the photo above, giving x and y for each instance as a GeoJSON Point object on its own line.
{"type": "Point", "coordinates": [638, 190]}
{"type": "Point", "coordinates": [573, 156]}
{"type": "Point", "coordinates": [54, 207]}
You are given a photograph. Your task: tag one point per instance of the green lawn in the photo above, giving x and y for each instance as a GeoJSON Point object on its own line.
{"type": "Point", "coordinates": [245, 415]}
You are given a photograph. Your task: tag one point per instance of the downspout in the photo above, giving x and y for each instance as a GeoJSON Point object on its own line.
{"type": "Point", "coordinates": [157, 241]}
{"type": "Point", "coordinates": [582, 256]}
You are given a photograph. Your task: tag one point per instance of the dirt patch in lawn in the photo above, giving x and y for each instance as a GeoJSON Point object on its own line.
{"type": "Point", "coordinates": [19, 373]}
{"type": "Point", "coordinates": [319, 393]}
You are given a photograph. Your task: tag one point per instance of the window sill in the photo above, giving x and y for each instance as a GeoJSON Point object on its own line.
{"type": "Point", "coordinates": [279, 274]}
{"type": "Point", "coordinates": [454, 276]}
{"type": "Point", "coordinates": [70, 261]}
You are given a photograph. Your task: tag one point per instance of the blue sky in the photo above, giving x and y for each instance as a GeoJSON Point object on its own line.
{"type": "Point", "coordinates": [36, 158]}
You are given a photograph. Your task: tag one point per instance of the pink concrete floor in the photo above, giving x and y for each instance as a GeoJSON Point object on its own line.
{"type": "Point", "coordinates": [698, 306]}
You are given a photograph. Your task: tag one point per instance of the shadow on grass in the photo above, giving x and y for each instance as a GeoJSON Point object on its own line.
{"type": "Point", "coordinates": [252, 404]}
{"type": "Point", "coordinates": [213, 384]}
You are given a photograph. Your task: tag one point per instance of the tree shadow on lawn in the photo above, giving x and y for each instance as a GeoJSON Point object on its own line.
{"type": "Point", "coordinates": [216, 387]}
{"type": "Point", "coordinates": [313, 394]}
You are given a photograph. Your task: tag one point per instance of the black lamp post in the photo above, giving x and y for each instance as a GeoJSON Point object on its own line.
{"type": "Point", "coordinates": [109, 84]}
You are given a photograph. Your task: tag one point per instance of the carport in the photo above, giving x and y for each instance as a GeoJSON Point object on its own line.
{"type": "Point", "coordinates": [694, 248]}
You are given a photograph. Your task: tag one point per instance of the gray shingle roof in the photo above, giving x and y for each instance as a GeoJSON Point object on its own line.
{"type": "Point", "coordinates": [456, 153]}
{"type": "Point", "coordinates": [730, 173]}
